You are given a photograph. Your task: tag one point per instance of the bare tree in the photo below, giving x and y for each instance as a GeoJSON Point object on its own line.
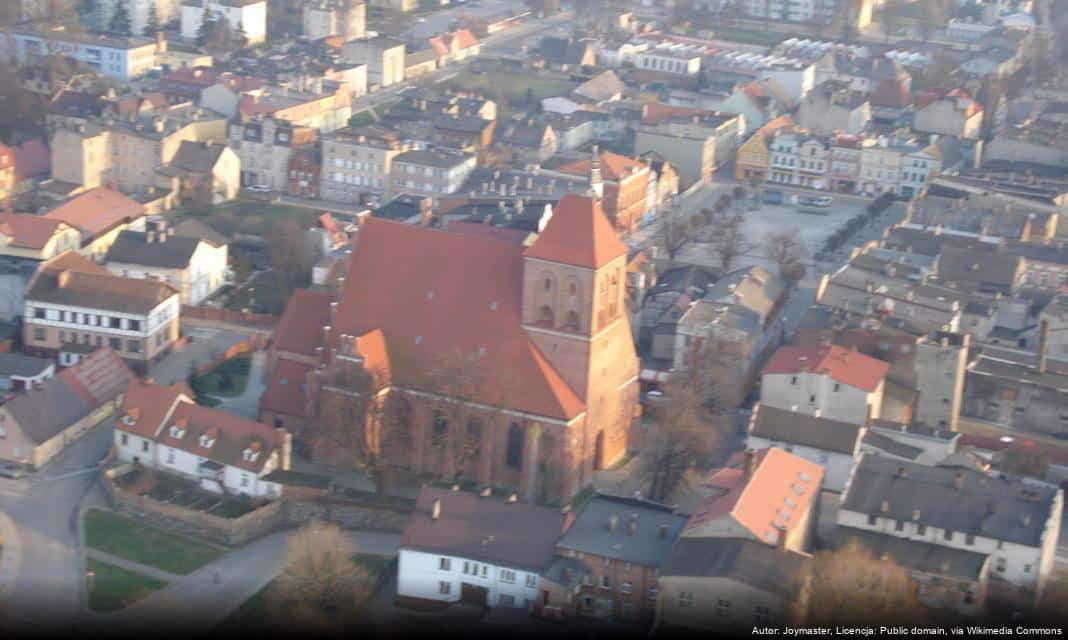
{"type": "Point", "coordinates": [675, 232]}
{"type": "Point", "coordinates": [786, 249]}
{"type": "Point", "coordinates": [728, 238]}
{"type": "Point", "coordinates": [323, 588]}
{"type": "Point", "coordinates": [1025, 458]}
{"type": "Point", "coordinates": [291, 255]}
{"type": "Point", "coordinates": [851, 586]}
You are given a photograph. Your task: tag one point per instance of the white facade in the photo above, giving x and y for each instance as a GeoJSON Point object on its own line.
{"type": "Point", "coordinates": [204, 276]}
{"type": "Point", "coordinates": [430, 576]}
{"type": "Point", "coordinates": [139, 10]}
{"type": "Point", "coordinates": [805, 392]}
{"type": "Point", "coordinates": [250, 16]}
{"type": "Point", "coordinates": [677, 59]}
{"type": "Point", "coordinates": [122, 58]}
{"type": "Point", "coordinates": [916, 169]}
{"type": "Point", "coordinates": [836, 465]}
{"type": "Point", "coordinates": [117, 325]}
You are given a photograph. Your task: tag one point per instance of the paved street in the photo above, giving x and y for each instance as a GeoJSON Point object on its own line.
{"type": "Point", "coordinates": [208, 340]}
{"type": "Point", "coordinates": [247, 405]}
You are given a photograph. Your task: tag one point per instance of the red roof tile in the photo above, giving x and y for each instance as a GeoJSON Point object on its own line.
{"type": "Point", "coordinates": [578, 234]}
{"type": "Point", "coordinates": [489, 231]}
{"type": "Point", "coordinates": [28, 231]}
{"type": "Point", "coordinates": [97, 211]}
{"type": "Point", "coordinates": [842, 365]}
{"type": "Point", "coordinates": [98, 377]}
{"type": "Point", "coordinates": [147, 403]}
{"type": "Point", "coordinates": [656, 112]}
{"type": "Point", "coordinates": [432, 293]}
{"type": "Point", "coordinates": [300, 330]}
{"type": "Point", "coordinates": [287, 390]}
{"type": "Point", "coordinates": [780, 492]}
{"type": "Point", "coordinates": [613, 166]}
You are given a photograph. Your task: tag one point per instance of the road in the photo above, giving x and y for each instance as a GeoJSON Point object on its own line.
{"type": "Point", "coordinates": [44, 583]}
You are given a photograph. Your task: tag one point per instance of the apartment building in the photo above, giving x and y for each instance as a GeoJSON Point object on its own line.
{"type": "Point", "coordinates": [127, 152]}
{"type": "Point", "coordinates": [123, 58]}
{"type": "Point", "coordinates": [833, 106]}
{"type": "Point", "coordinates": [358, 162]}
{"type": "Point", "coordinates": [264, 146]}
{"type": "Point", "coordinates": [673, 58]}
{"type": "Point", "coordinates": [384, 57]}
{"type": "Point", "coordinates": [140, 12]}
{"type": "Point", "coordinates": [949, 113]}
{"type": "Point", "coordinates": [346, 19]}
{"type": "Point", "coordinates": [250, 16]}
{"type": "Point", "coordinates": [695, 146]}
{"type": "Point", "coordinates": [73, 306]}
{"type": "Point", "coordinates": [308, 101]}
{"type": "Point", "coordinates": [429, 172]}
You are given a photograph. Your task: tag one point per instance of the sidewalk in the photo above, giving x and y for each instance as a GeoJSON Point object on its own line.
{"type": "Point", "coordinates": [130, 565]}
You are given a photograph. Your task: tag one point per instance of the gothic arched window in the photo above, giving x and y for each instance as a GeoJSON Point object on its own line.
{"type": "Point", "coordinates": [546, 315]}
{"type": "Point", "coordinates": [572, 321]}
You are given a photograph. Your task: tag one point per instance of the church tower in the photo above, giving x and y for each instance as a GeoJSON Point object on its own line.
{"type": "Point", "coordinates": [574, 311]}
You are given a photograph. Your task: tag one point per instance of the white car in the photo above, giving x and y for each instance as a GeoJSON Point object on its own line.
{"type": "Point", "coordinates": [259, 188]}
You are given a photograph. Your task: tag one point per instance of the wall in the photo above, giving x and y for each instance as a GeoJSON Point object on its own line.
{"type": "Point", "coordinates": [837, 466]}
{"type": "Point", "coordinates": [419, 575]}
{"type": "Point", "coordinates": [813, 391]}
{"type": "Point", "coordinates": [707, 593]}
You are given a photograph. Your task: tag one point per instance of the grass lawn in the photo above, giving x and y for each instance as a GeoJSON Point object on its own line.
{"type": "Point", "coordinates": [514, 86]}
{"type": "Point", "coordinates": [121, 536]}
{"type": "Point", "coordinates": [228, 380]}
{"type": "Point", "coordinates": [114, 588]}
{"type": "Point", "coordinates": [254, 217]}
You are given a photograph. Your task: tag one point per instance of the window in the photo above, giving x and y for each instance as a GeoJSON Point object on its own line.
{"type": "Point", "coordinates": [508, 576]}
{"type": "Point", "coordinates": [969, 539]}
{"type": "Point", "coordinates": [444, 587]}
{"type": "Point", "coordinates": [514, 449]}
{"type": "Point", "coordinates": [1001, 565]}
{"type": "Point", "coordinates": [793, 379]}
{"type": "Point", "coordinates": [445, 564]}
{"type": "Point", "coordinates": [467, 568]}
{"type": "Point", "coordinates": [133, 346]}
{"type": "Point", "coordinates": [899, 525]}
{"type": "Point", "coordinates": [625, 587]}
{"type": "Point", "coordinates": [532, 580]}
{"type": "Point", "coordinates": [144, 446]}
{"type": "Point", "coordinates": [948, 535]}
{"type": "Point", "coordinates": [606, 582]}
{"type": "Point", "coordinates": [652, 593]}
{"type": "Point", "coordinates": [484, 571]}
{"type": "Point", "coordinates": [685, 599]}
{"type": "Point", "coordinates": [39, 333]}
{"type": "Point", "coordinates": [125, 439]}
{"type": "Point", "coordinates": [135, 325]}
{"type": "Point", "coordinates": [244, 479]}
{"type": "Point", "coordinates": [115, 344]}
{"type": "Point", "coordinates": [921, 529]}
{"type": "Point", "coordinates": [872, 520]}
{"type": "Point", "coordinates": [837, 387]}
{"type": "Point", "coordinates": [39, 314]}
{"type": "Point", "coordinates": [723, 608]}
{"type": "Point", "coordinates": [1027, 568]}
{"type": "Point", "coordinates": [115, 323]}
{"type": "Point", "coordinates": [170, 456]}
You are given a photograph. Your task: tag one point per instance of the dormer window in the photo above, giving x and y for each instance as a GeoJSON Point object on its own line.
{"type": "Point", "coordinates": [250, 455]}
{"type": "Point", "coordinates": [176, 431]}
{"type": "Point", "coordinates": [206, 441]}
{"type": "Point", "coordinates": [128, 420]}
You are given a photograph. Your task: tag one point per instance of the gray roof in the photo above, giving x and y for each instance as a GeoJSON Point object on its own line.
{"type": "Point", "coordinates": [197, 156]}
{"type": "Point", "coordinates": [803, 429]}
{"type": "Point", "coordinates": [891, 446]}
{"type": "Point", "coordinates": [999, 507]}
{"type": "Point", "coordinates": [968, 265]}
{"type": "Point", "coordinates": [18, 365]}
{"type": "Point", "coordinates": [432, 158]}
{"type": "Point", "coordinates": [191, 228]}
{"type": "Point", "coordinates": [913, 555]}
{"type": "Point", "coordinates": [589, 533]}
{"type": "Point", "coordinates": [753, 563]}
{"type": "Point", "coordinates": [132, 247]}
{"type": "Point", "coordinates": [45, 411]}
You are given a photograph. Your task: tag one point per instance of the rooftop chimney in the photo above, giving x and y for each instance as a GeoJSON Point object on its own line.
{"type": "Point", "coordinates": [435, 509]}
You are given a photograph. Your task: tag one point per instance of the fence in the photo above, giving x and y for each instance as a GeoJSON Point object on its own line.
{"type": "Point", "coordinates": [282, 514]}
{"type": "Point", "coordinates": [249, 345]}
{"type": "Point", "coordinates": [258, 320]}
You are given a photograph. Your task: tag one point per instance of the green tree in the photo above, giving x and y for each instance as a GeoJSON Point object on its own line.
{"type": "Point", "coordinates": [204, 29]}
{"type": "Point", "coordinates": [152, 25]}
{"type": "Point", "coordinates": [120, 21]}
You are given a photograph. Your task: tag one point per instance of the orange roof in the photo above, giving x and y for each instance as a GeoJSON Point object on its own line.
{"type": "Point", "coordinates": [28, 231]}
{"type": "Point", "coordinates": [613, 166]}
{"type": "Point", "coordinates": [431, 293]}
{"type": "Point", "coordinates": [234, 434]}
{"type": "Point", "coordinates": [842, 365]}
{"type": "Point", "coordinates": [147, 403]}
{"type": "Point", "coordinates": [778, 495]}
{"type": "Point", "coordinates": [773, 125]}
{"type": "Point", "coordinates": [97, 211]}
{"type": "Point", "coordinates": [578, 234]}
{"type": "Point", "coordinates": [300, 330]}
{"type": "Point", "coordinates": [655, 112]}
{"type": "Point", "coordinates": [372, 346]}
{"type": "Point", "coordinates": [465, 39]}
{"type": "Point", "coordinates": [287, 390]}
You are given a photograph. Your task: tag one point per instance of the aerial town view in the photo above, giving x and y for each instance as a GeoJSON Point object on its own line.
{"type": "Point", "coordinates": [546, 318]}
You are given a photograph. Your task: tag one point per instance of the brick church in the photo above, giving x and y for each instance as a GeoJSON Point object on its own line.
{"type": "Point", "coordinates": [545, 321]}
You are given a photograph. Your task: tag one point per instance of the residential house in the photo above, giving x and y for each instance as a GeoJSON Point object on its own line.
{"type": "Point", "coordinates": [32, 237]}
{"type": "Point", "coordinates": [1055, 315]}
{"type": "Point", "coordinates": [948, 113]}
{"type": "Point", "coordinates": [833, 106]}
{"type": "Point", "coordinates": [32, 161]}
{"type": "Point", "coordinates": [520, 323]}
{"type": "Point", "coordinates": [248, 16]}
{"type": "Point", "coordinates": [264, 147]}
{"type": "Point", "coordinates": [324, 105]}
{"type": "Point", "coordinates": [164, 429]}
{"type": "Point", "coordinates": [7, 172]}
{"type": "Point", "coordinates": [464, 133]}
{"type": "Point", "coordinates": [689, 280]}
{"type": "Point", "coordinates": [358, 162]}
{"type": "Point", "coordinates": [42, 421]}
{"type": "Point", "coordinates": [917, 168]}
{"type": "Point", "coordinates": [798, 157]}
{"type": "Point", "coordinates": [605, 87]}
{"type": "Point", "coordinates": [986, 272]}
{"type": "Point", "coordinates": [429, 172]}
{"type": "Point", "coordinates": [566, 54]}
{"type": "Point", "coordinates": [119, 57]}
{"type": "Point", "coordinates": [889, 102]}
{"type": "Point", "coordinates": [305, 173]}
{"type": "Point", "coordinates": [754, 155]}
{"type": "Point", "coordinates": [455, 46]}
{"type": "Point", "coordinates": [195, 266]}
{"type": "Point", "coordinates": [462, 547]}
{"type": "Point", "coordinates": [871, 293]}
{"type": "Point", "coordinates": [417, 63]}
{"type": "Point", "coordinates": [622, 543]}
{"type": "Point", "coordinates": [383, 55]}
{"type": "Point", "coordinates": [758, 102]}
{"type": "Point", "coordinates": [187, 83]}
{"type": "Point", "coordinates": [841, 384]}
{"type": "Point", "coordinates": [99, 215]}
{"type": "Point", "coordinates": [844, 163]}
{"type": "Point", "coordinates": [73, 306]}
{"type": "Point", "coordinates": [202, 174]}
{"type": "Point", "coordinates": [526, 140]}
{"type": "Point", "coordinates": [22, 373]}
{"type": "Point", "coordinates": [1017, 389]}
{"type": "Point", "coordinates": [1013, 521]}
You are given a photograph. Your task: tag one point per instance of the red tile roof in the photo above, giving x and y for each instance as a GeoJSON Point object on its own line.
{"type": "Point", "coordinates": [842, 365]}
{"type": "Point", "coordinates": [432, 292]}
{"type": "Point", "coordinates": [233, 435]}
{"type": "Point", "coordinates": [778, 495]}
{"type": "Point", "coordinates": [287, 390]}
{"type": "Point", "coordinates": [613, 166]}
{"type": "Point", "coordinates": [578, 234]}
{"type": "Point", "coordinates": [97, 211]}
{"type": "Point", "coordinates": [28, 231]}
{"type": "Point", "coordinates": [656, 112]}
{"type": "Point", "coordinates": [98, 377]}
{"type": "Point", "coordinates": [300, 330]}
{"type": "Point", "coordinates": [489, 231]}
{"type": "Point", "coordinates": [146, 404]}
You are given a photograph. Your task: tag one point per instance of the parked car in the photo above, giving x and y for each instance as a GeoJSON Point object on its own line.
{"type": "Point", "coordinates": [259, 188]}
{"type": "Point", "coordinates": [770, 196]}
{"type": "Point", "coordinates": [10, 471]}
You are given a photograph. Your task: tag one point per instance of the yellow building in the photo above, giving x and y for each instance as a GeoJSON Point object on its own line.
{"type": "Point", "coordinates": [754, 156]}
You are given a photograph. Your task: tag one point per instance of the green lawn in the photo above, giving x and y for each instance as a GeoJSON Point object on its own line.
{"type": "Point", "coordinates": [514, 86]}
{"type": "Point", "coordinates": [113, 588]}
{"type": "Point", "coordinates": [254, 217]}
{"type": "Point", "coordinates": [121, 536]}
{"type": "Point", "coordinates": [228, 380]}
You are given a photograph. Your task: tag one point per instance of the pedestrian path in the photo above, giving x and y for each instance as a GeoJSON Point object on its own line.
{"type": "Point", "coordinates": [130, 565]}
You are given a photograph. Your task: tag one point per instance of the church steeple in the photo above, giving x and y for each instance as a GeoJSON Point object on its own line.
{"type": "Point", "coordinates": [596, 189]}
